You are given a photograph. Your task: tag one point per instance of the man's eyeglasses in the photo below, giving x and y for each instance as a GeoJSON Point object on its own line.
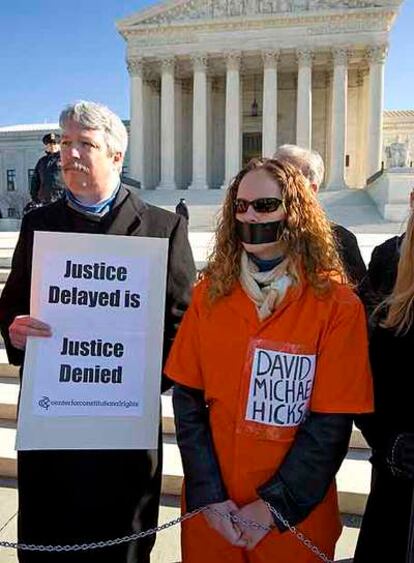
{"type": "Point", "coordinates": [261, 205]}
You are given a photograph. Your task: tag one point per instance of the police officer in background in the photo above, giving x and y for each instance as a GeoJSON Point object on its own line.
{"type": "Point", "coordinates": [182, 209]}
{"type": "Point", "coordinates": [47, 184]}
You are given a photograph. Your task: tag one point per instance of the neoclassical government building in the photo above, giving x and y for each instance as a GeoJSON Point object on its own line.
{"type": "Point", "coordinates": [216, 82]}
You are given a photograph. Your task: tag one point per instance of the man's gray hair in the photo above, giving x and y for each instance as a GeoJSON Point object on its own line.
{"type": "Point", "coordinates": [91, 115]}
{"type": "Point", "coordinates": [310, 163]}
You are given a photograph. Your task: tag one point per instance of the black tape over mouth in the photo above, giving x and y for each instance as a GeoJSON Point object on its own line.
{"type": "Point", "coordinates": [259, 233]}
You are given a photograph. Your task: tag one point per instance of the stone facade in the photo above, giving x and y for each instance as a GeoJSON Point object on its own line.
{"type": "Point", "coordinates": [216, 82]}
{"type": "Point", "coordinates": [21, 146]}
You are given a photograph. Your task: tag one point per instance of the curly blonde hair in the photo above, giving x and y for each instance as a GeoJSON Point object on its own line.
{"type": "Point", "coordinates": [307, 234]}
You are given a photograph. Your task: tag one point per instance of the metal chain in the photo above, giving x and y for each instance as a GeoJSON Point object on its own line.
{"type": "Point", "coordinates": [101, 544]}
{"type": "Point", "coordinates": [300, 536]}
{"type": "Point", "coordinates": [126, 539]}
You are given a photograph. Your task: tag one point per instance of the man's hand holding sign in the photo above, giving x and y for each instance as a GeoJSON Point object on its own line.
{"type": "Point", "coordinates": [24, 326]}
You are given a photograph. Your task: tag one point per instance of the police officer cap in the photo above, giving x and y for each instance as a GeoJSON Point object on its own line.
{"type": "Point", "coordinates": [51, 138]}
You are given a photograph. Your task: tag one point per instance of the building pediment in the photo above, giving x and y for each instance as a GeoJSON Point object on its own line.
{"type": "Point", "coordinates": [181, 11]}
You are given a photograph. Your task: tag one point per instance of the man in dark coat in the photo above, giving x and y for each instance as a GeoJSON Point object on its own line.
{"type": "Point", "coordinates": [311, 165]}
{"type": "Point", "coordinates": [47, 184]}
{"type": "Point", "coordinates": [382, 273]}
{"type": "Point", "coordinates": [67, 496]}
{"type": "Point", "coordinates": [382, 270]}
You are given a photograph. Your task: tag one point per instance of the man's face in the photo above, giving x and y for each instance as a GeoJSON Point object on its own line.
{"type": "Point", "coordinates": [52, 147]}
{"type": "Point", "coordinates": [88, 170]}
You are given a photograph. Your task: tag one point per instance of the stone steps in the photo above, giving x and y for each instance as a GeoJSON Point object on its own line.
{"type": "Point", "coordinates": [6, 370]}
{"type": "Point", "coordinates": [353, 478]}
{"type": "Point", "coordinates": [5, 262]}
{"type": "Point", "coordinates": [7, 245]}
{"type": "Point", "coordinates": [8, 463]}
{"type": "Point", "coordinates": [9, 392]}
{"type": "Point", "coordinates": [4, 273]}
{"type": "Point", "coordinates": [354, 482]}
{"type": "Point", "coordinates": [201, 244]}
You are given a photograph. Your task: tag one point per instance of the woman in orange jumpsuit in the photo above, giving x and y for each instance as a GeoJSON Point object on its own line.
{"type": "Point", "coordinates": [270, 364]}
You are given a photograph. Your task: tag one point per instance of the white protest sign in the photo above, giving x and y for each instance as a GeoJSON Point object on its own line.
{"type": "Point", "coordinates": [95, 383]}
{"type": "Point", "coordinates": [280, 387]}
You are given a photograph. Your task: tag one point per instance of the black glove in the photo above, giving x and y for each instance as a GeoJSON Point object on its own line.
{"type": "Point", "coordinates": [400, 456]}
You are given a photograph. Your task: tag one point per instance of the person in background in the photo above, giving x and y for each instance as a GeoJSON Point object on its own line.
{"type": "Point", "coordinates": [310, 163]}
{"type": "Point", "coordinates": [270, 362]}
{"type": "Point", "coordinates": [387, 531]}
{"type": "Point", "coordinates": [382, 269]}
{"type": "Point", "coordinates": [47, 183]}
{"type": "Point", "coordinates": [182, 209]}
{"type": "Point", "coordinates": [81, 496]}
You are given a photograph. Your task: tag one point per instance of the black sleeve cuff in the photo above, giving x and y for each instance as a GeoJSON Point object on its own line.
{"type": "Point", "coordinates": [309, 468]}
{"type": "Point", "coordinates": [203, 482]}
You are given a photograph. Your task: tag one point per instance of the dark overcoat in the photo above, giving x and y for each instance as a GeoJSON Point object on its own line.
{"type": "Point", "coordinates": [348, 249]}
{"type": "Point", "coordinates": [382, 273]}
{"type": "Point", "coordinates": [68, 497]}
{"type": "Point", "coordinates": [385, 526]}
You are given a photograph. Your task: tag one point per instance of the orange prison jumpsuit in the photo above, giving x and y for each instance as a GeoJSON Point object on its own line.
{"type": "Point", "coordinates": [214, 351]}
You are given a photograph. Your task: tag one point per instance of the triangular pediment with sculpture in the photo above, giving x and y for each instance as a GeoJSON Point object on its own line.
{"type": "Point", "coordinates": [177, 11]}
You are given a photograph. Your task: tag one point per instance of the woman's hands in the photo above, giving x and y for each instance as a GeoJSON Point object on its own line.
{"type": "Point", "coordinates": [216, 518]}
{"type": "Point", "coordinates": [258, 512]}
{"type": "Point", "coordinates": [237, 533]}
{"type": "Point", "coordinates": [24, 326]}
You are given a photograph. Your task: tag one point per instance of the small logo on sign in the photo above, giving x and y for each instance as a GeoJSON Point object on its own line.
{"type": "Point", "coordinates": [44, 403]}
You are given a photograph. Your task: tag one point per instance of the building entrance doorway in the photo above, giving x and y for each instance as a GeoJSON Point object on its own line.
{"type": "Point", "coordinates": [252, 146]}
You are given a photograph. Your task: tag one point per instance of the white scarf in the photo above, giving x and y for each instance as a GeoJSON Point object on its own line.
{"type": "Point", "coordinates": [265, 289]}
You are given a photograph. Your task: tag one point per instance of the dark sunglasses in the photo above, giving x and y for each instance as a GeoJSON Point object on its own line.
{"type": "Point", "coordinates": [261, 205]}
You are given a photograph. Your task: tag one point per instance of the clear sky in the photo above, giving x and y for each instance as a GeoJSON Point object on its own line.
{"type": "Point", "coordinates": [54, 52]}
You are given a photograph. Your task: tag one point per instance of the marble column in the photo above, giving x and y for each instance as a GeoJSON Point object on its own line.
{"type": "Point", "coordinates": [167, 124]}
{"type": "Point", "coordinates": [200, 99]}
{"type": "Point", "coordinates": [269, 119]}
{"type": "Point", "coordinates": [304, 99]}
{"type": "Point", "coordinates": [153, 128]}
{"type": "Point", "coordinates": [336, 177]}
{"type": "Point", "coordinates": [376, 58]}
{"type": "Point", "coordinates": [233, 118]}
{"type": "Point", "coordinates": [362, 133]}
{"type": "Point", "coordinates": [137, 115]}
